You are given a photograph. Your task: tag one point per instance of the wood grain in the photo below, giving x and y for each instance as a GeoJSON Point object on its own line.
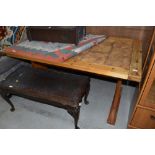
{"type": "Point", "coordinates": [142, 33]}
{"type": "Point", "coordinates": [144, 119]}
{"type": "Point", "coordinates": [148, 95]}
{"type": "Point", "coordinates": [136, 62]}
{"type": "Point", "coordinates": [149, 49]}
{"type": "Point", "coordinates": [145, 101]}
{"type": "Point", "coordinates": [151, 95]}
{"type": "Point", "coordinates": [115, 104]}
{"type": "Point", "coordinates": [110, 58]}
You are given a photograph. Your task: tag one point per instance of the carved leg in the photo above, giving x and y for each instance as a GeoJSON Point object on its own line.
{"type": "Point", "coordinates": [6, 98]}
{"type": "Point", "coordinates": [86, 95]}
{"type": "Point", "coordinates": [75, 114]}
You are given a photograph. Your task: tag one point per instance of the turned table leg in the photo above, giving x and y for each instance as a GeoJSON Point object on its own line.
{"type": "Point", "coordinates": [115, 104]}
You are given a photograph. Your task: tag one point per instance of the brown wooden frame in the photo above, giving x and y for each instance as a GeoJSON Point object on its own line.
{"type": "Point", "coordinates": [141, 102]}
{"type": "Point", "coordinates": [149, 49]}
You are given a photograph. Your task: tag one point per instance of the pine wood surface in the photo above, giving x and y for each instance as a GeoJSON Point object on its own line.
{"type": "Point", "coordinates": [115, 104]}
{"type": "Point", "coordinates": [115, 57]}
{"type": "Point", "coordinates": [151, 95]}
{"type": "Point", "coordinates": [144, 119]}
{"type": "Point", "coordinates": [142, 33]}
{"type": "Point", "coordinates": [149, 49]}
{"type": "Point", "coordinates": [143, 115]}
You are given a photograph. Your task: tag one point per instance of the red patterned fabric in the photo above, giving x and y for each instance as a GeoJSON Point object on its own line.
{"type": "Point", "coordinates": [54, 52]}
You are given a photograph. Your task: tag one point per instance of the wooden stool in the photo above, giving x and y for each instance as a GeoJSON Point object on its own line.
{"type": "Point", "coordinates": [59, 89]}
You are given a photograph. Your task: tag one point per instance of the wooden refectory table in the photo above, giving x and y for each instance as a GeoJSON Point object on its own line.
{"type": "Point", "coordinates": [115, 57]}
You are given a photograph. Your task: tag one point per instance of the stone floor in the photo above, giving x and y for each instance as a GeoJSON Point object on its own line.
{"type": "Point", "coordinates": [31, 115]}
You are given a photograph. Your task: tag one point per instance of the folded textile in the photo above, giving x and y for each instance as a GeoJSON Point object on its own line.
{"type": "Point", "coordinates": [56, 52]}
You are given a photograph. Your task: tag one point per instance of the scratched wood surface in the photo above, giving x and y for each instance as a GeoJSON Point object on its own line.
{"type": "Point", "coordinates": [115, 57]}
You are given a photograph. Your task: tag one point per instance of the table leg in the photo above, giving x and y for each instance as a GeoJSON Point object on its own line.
{"type": "Point", "coordinates": [38, 65]}
{"type": "Point", "coordinates": [115, 104]}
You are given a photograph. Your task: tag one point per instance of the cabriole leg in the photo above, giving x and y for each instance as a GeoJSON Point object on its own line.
{"type": "Point", "coordinates": [75, 114]}
{"type": "Point", "coordinates": [6, 98]}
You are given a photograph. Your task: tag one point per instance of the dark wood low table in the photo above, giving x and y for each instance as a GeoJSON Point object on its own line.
{"type": "Point", "coordinates": [60, 89]}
